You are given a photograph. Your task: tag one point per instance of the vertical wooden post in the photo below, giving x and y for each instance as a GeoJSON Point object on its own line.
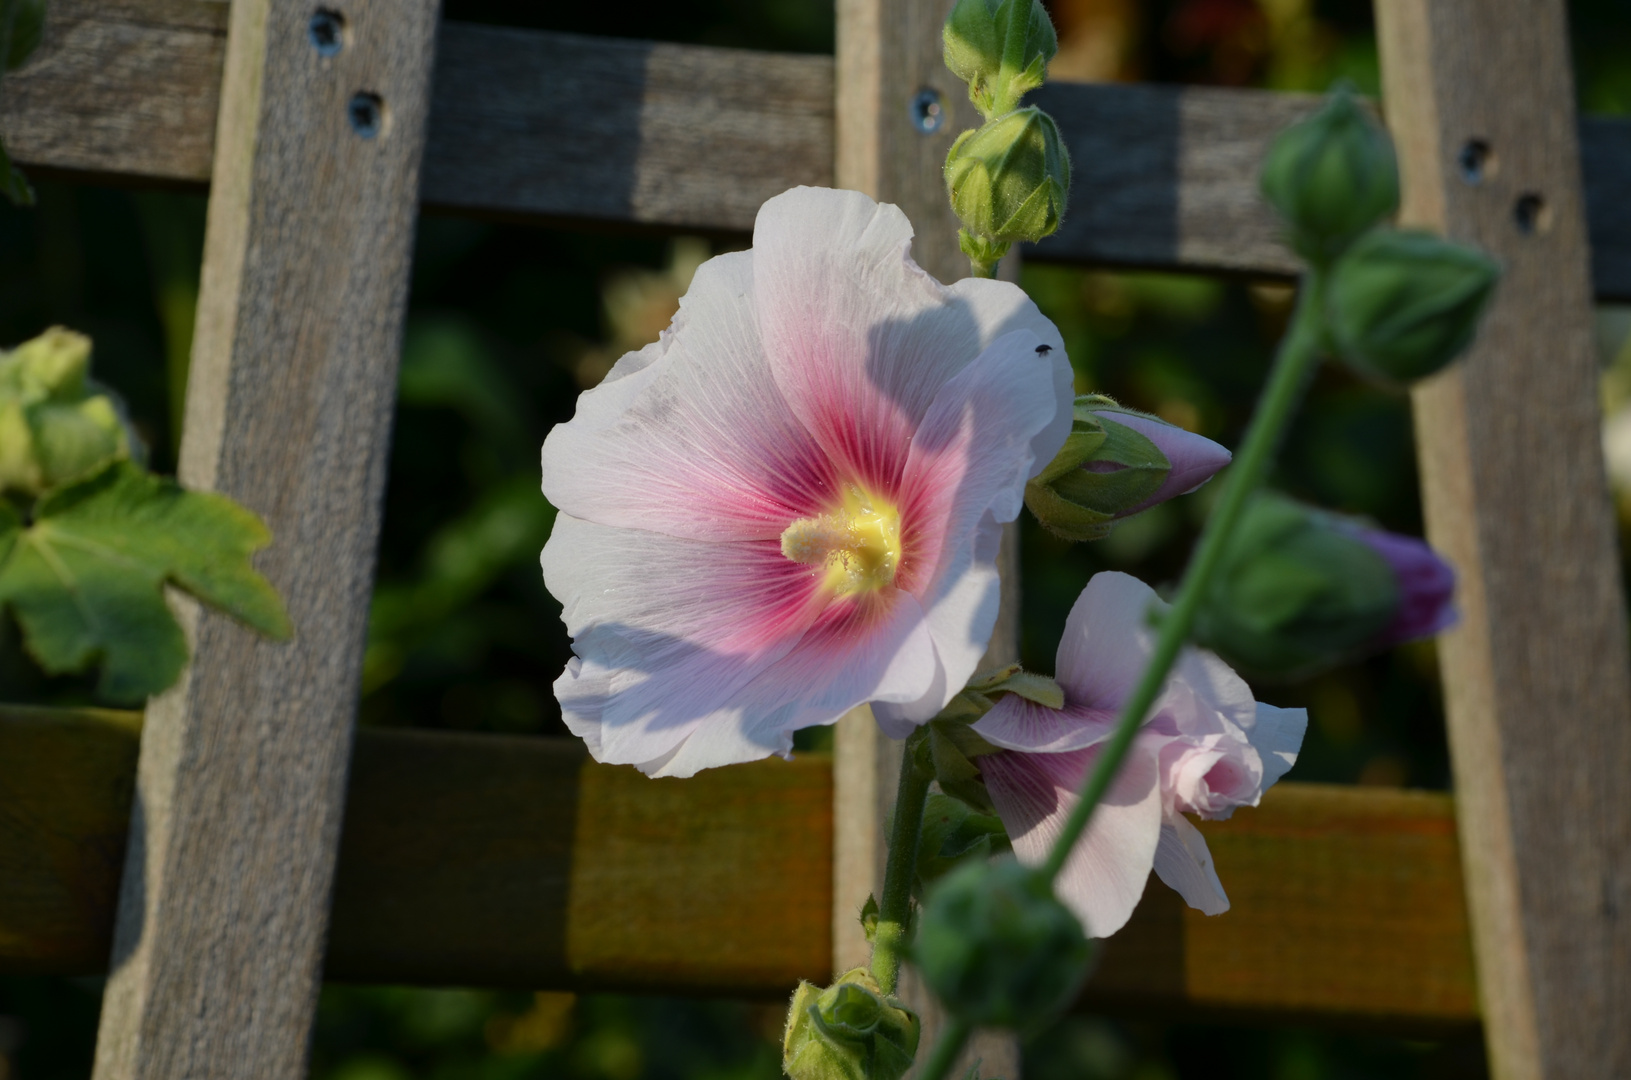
{"type": "Point", "coordinates": [1479, 96]}
{"type": "Point", "coordinates": [898, 110]}
{"type": "Point", "coordinates": [224, 904]}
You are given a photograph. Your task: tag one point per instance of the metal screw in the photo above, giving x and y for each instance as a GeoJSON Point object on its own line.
{"type": "Point", "coordinates": [1475, 161]}
{"type": "Point", "coordinates": [1531, 214]}
{"type": "Point", "coordinates": [327, 32]}
{"type": "Point", "coordinates": [928, 114]}
{"type": "Point", "coordinates": [367, 114]}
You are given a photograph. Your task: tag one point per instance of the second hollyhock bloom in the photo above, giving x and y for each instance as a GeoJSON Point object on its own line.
{"type": "Point", "coordinates": [790, 504]}
{"type": "Point", "coordinates": [1206, 748]}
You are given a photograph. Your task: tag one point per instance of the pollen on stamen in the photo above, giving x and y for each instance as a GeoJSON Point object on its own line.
{"type": "Point", "coordinates": [811, 540]}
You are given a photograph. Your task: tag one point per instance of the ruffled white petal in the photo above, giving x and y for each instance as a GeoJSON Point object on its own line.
{"type": "Point", "coordinates": [1107, 870]}
{"type": "Point", "coordinates": [859, 337]}
{"type": "Point", "coordinates": [1016, 724]}
{"type": "Point", "coordinates": [1278, 737]}
{"type": "Point", "coordinates": [691, 437]}
{"type": "Point", "coordinates": [1184, 863]}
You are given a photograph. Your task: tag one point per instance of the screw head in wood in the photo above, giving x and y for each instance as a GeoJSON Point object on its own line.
{"type": "Point", "coordinates": [1531, 214]}
{"type": "Point", "coordinates": [928, 112]}
{"type": "Point", "coordinates": [367, 114]}
{"type": "Point", "coordinates": [1476, 161]}
{"type": "Point", "coordinates": [326, 31]}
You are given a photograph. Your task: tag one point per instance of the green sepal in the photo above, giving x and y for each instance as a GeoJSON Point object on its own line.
{"type": "Point", "coordinates": [954, 832]}
{"type": "Point", "coordinates": [980, 34]}
{"type": "Point", "coordinates": [849, 1031]}
{"type": "Point", "coordinates": [85, 579]}
{"type": "Point", "coordinates": [869, 917]}
{"type": "Point", "coordinates": [1077, 504]}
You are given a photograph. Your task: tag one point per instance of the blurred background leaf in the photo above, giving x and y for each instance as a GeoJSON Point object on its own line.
{"type": "Point", "coordinates": [507, 323]}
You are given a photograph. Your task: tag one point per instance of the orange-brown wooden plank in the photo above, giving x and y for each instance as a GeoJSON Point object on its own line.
{"type": "Point", "coordinates": [497, 861]}
{"type": "Point", "coordinates": [676, 136]}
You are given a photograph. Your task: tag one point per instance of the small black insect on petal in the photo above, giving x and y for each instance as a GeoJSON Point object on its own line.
{"type": "Point", "coordinates": [1043, 350]}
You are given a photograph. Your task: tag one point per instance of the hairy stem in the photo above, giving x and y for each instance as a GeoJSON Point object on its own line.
{"type": "Point", "coordinates": [901, 869]}
{"type": "Point", "coordinates": [1294, 364]}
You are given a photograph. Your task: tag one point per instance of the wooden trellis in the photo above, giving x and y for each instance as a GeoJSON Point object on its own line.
{"type": "Point", "coordinates": [493, 861]}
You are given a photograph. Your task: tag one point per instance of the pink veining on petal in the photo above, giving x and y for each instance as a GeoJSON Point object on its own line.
{"type": "Point", "coordinates": [794, 388]}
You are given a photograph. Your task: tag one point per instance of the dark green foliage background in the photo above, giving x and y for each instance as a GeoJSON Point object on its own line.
{"type": "Point", "coordinates": [464, 636]}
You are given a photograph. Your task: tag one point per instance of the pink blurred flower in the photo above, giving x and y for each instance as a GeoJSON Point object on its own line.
{"type": "Point", "coordinates": [1207, 748]}
{"type": "Point", "coordinates": [790, 504]}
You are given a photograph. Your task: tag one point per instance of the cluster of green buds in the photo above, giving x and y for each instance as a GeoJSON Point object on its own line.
{"type": "Point", "coordinates": [56, 423]}
{"type": "Point", "coordinates": [1009, 179]}
{"type": "Point", "coordinates": [1117, 462]}
{"type": "Point", "coordinates": [1399, 305]}
{"type": "Point", "coordinates": [850, 1030]}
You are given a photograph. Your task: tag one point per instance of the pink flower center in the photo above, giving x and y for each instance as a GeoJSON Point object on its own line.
{"type": "Point", "coordinates": [857, 542]}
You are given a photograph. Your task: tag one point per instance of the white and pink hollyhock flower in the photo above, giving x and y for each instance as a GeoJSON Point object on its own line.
{"type": "Point", "coordinates": [1206, 748]}
{"type": "Point", "coordinates": [790, 504]}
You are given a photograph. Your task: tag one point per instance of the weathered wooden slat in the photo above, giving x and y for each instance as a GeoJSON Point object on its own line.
{"type": "Point", "coordinates": [496, 861]}
{"type": "Point", "coordinates": [240, 785]}
{"type": "Point", "coordinates": [1537, 681]}
{"type": "Point", "coordinates": [897, 112]}
{"type": "Point", "coordinates": [558, 127]}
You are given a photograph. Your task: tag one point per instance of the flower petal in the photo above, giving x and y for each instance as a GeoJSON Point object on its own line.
{"type": "Point", "coordinates": [1017, 724]}
{"type": "Point", "coordinates": [1278, 736]}
{"type": "Point", "coordinates": [1107, 640]}
{"type": "Point", "coordinates": [1106, 872]}
{"type": "Point", "coordinates": [880, 655]}
{"type": "Point", "coordinates": [859, 337]}
{"type": "Point", "coordinates": [691, 436]}
{"type": "Point", "coordinates": [666, 630]}
{"type": "Point", "coordinates": [1185, 864]}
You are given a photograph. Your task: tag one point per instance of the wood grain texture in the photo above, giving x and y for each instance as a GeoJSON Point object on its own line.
{"type": "Point", "coordinates": [888, 61]}
{"type": "Point", "coordinates": [1537, 680]}
{"type": "Point", "coordinates": [223, 910]}
{"type": "Point", "coordinates": [671, 136]}
{"type": "Point", "coordinates": [492, 861]}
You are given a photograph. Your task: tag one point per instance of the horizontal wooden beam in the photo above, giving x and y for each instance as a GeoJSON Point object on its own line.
{"type": "Point", "coordinates": [558, 127]}
{"type": "Point", "coordinates": [497, 861]}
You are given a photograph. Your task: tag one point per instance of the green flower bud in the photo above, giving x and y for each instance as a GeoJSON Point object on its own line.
{"type": "Point", "coordinates": [1298, 590]}
{"type": "Point", "coordinates": [55, 423]}
{"type": "Point", "coordinates": [998, 947]}
{"type": "Point", "coordinates": [848, 1031]}
{"type": "Point", "coordinates": [1331, 176]}
{"type": "Point", "coordinates": [980, 35]}
{"type": "Point", "coordinates": [1009, 179]}
{"type": "Point", "coordinates": [1402, 305]}
{"type": "Point", "coordinates": [1116, 463]}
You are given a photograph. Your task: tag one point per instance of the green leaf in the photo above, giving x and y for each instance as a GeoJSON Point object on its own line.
{"type": "Point", "coordinates": [25, 21]}
{"type": "Point", "coordinates": [86, 579]}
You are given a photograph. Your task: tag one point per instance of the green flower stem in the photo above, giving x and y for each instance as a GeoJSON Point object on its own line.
{"type": "Point", "coordinates": [890, 936]}
{"type": "Point", "coordinates": [1012, 63]}
{"type": "Point", "coordinates": [946, 1049]}
{"type": "Point", "coordinates": [1294, 365]}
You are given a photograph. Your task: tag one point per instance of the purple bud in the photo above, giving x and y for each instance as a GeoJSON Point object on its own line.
{"type": "Point", "coordinates": [1426, 586]}
{"type": "Point", "coordinates": [1195, 458]}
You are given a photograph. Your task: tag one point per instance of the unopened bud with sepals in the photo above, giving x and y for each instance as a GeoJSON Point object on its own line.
{"type": "Point", "coordinates": [1001, 48]}
{"type": "Point", "coordinates": [1008, 181]}
{"type": "Point", "coordinates": [998, 948]}
{"type": "Point", "coordinates": [1116, 463]}
{"type": "Point", "coordinates": [1300, 589]}
{"type": "Point", "coordinates": [850, 1030]}
{"type": "Point", "coordinates": [55, 423]}
{"type": "Point", "coordinates": [1403, 305]}
{"type": "Point", "coordinates": [1332, 176]}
